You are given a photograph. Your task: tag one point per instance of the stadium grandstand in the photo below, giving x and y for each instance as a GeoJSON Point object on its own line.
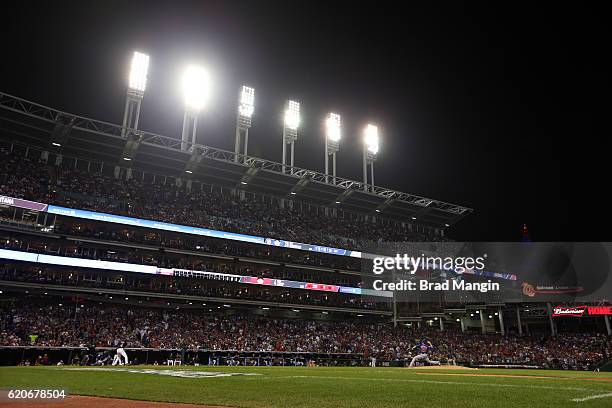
{"type": "Point", "coordinates": [111, 236]}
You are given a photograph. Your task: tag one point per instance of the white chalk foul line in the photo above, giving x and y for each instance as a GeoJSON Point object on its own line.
{"type": "Point", "coordinates": [592, 397]}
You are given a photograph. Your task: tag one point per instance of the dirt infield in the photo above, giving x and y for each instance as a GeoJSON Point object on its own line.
{"type": "Point", "coordinates": [78, 401]}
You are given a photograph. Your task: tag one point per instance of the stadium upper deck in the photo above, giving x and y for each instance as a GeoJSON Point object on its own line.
{"type": "Point", "coordinates": [101, 144]}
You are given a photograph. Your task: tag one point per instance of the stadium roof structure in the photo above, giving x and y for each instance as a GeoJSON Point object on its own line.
{"type": "Point", "coordinates": [76, 136]}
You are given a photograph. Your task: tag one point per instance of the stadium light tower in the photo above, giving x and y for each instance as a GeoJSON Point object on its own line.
{"type": "Point", "coordinates": [370, 151]}
{"type": "Point", "coordinates": [136, 87]}
{"type": "Point", "coordinates": [196, 87]}
{"type": "Point", "coordinates": [290, 128]}
{"type": "Point", "coordinates": [333, 133]}
{"type": "Point", "coordinates": [246, 108]}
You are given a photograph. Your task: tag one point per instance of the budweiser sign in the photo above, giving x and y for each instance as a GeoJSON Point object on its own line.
{"type": "Point", "coordinates": [579, 311]}
{"type": "Point", "coordinates": [575, 311]}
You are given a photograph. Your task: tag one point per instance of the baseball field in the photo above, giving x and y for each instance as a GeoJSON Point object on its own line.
{"type": "Point", "coordinates": [263, 387]}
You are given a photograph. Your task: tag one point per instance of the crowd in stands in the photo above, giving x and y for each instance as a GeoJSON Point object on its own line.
{"type": "Point", "coordinates": [33, 179]}
{"type": "Point", "coordinates": [187, 286]}
{"type": "Point", "coordinates": [205, 245]}
{"type": "Point", "coordinates": [170, 260]}
{"type": "Point", "coordinates": [108, 326]}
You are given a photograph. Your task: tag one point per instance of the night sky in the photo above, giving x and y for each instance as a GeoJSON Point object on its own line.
{"type": "Point", "coordinates": [500, 109]}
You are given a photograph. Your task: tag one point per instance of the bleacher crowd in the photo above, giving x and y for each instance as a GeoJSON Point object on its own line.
{"type": "Point", "coordinates": [36, 180]}
{"type": "Point", "coordinates": [107, 326]}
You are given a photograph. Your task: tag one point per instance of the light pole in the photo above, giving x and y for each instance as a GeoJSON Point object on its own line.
{"type": "Point", "coordinates": [243, 121]}
{"type": "Point", "coordinates": [136, 87]}
{"type": "Point", "coordinates": [370, 151]}
{"type": "Point", "coordinates": [290, 126]}
{"type": "Point", "coordinates": [333, 133]}
{"type": "Point", "coordinates": [195, 89]}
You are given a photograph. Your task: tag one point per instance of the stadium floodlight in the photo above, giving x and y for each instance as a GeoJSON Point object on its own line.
{"type": "Point", "coordinates": [138, 72]}
{"type": "Point", "coordinates": [292, 115]}
{"type": "Point", "coordinates": [247, 102]}
{"type": "Point", "coordinates": [196, 87]}
{"type": "Point", "coordinates": [371, 139]}
{"type": "Point", "coordinates": [246, 108]}
{"type": "Point", "coordinates": [290, 127]}
{"type": "Point", "coordinates": [370, 150]}
{"type": "Point", "coordinates": [137, 83]}
{"type": "Point", "coordinates": [333, 133]}
{"type": "Point", "coordinates": [333, 127]}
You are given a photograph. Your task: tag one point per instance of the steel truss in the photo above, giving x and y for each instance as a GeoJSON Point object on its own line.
{"type": "Point", "coordinates": [37, 111]}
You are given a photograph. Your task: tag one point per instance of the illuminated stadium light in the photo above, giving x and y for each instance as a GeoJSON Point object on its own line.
{"type": "Point", "coordinates": [196, 87]}
{"type": "Point", "coordinates": [290, 133]}
{"type": "Point", "coordinates": [370, 150]}
{"type": "Point", "coordinates": [333, 127]}
{"type": "Point", "coordinates": [247, 102]}
{"type": "Point", "coordinates": [137, 83]}
{"type": "Point", "coordinates": [371, 139]}
{"type": "Point", "coordinates": [333, 133]}
{"type": "Point", "coordinates": [246, 108]}
{"type": "Point", "coordinates": [292, 115]}
{"type": "Point", "coordinates": [138, 72]}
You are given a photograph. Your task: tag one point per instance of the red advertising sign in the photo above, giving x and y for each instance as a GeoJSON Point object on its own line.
{"type": "Point", "coordinates": [574, 311]}
{"type": "Point", "coordinates": [579, 311]}
{"type": "Point", "coordinates": [600, 310]}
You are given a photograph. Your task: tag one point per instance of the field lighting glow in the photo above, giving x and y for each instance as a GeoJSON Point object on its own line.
{"type": "Point", "coordinates": [196, 87]}
{"type": "Point", "coordinates": [138, 72]}
{"type": "Point", "coordinates": [371, 139]}
{"type": "Point", "coordinates": [333, 127]}
{"type": "Point", "coordinates": [292, 115]}
{"type": "Point", "coordinates": [247, 101]}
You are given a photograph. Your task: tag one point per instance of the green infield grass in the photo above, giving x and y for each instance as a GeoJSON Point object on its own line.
{"type": "Point", "coordinates": [324, 386]}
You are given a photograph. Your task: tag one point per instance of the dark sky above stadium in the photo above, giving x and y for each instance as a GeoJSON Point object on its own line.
{"type": "Point", "coordinates": [496, 107]}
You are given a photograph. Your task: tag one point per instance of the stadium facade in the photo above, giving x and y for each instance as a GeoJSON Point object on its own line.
{"type": "Point", "coordinates": [96, 219]}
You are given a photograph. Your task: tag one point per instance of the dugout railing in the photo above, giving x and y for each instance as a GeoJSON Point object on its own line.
{"type": "Point", "coordinates": [84, 356]}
